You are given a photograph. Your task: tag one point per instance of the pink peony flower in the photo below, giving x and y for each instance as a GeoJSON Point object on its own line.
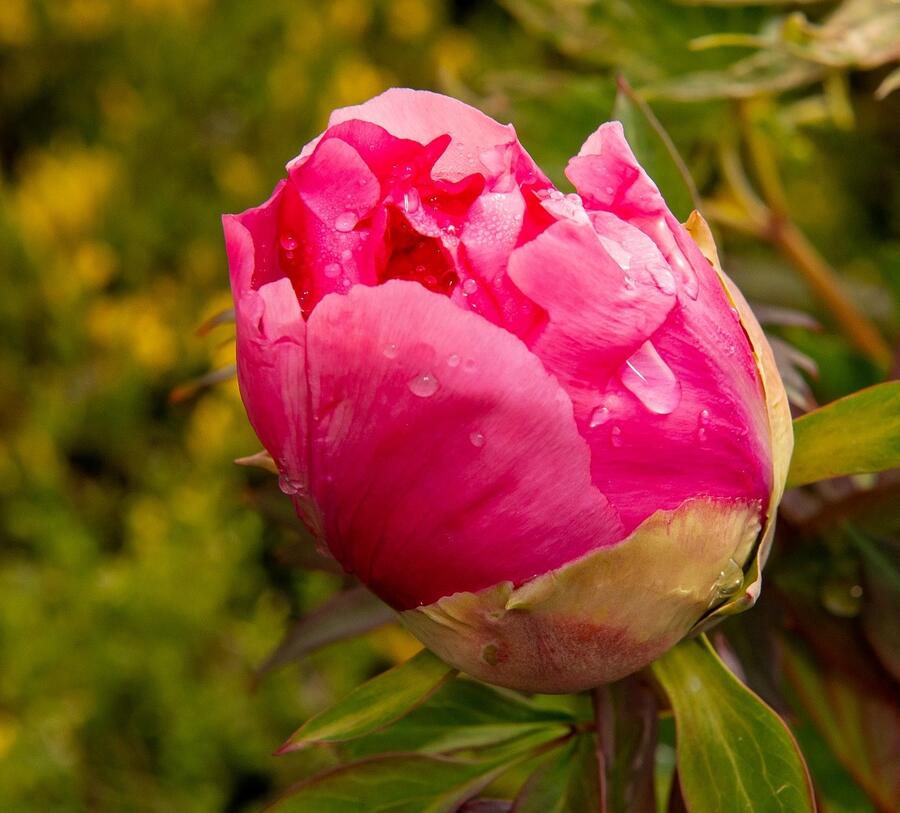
{"type": "Point", "coordinates": [542, 426]}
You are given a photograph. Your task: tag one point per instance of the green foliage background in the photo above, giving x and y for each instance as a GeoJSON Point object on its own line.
{"type": "Point", "coordinates": [140, 582]}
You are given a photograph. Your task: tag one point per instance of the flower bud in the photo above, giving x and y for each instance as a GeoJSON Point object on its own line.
{"type": "Point", "coordinates": [544, 427]}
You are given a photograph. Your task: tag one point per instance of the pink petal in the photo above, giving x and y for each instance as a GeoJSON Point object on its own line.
{"type": "Point", "coordinates": [271, 342]}
{"type": "Point", "coordinates": [422, 116]}
{"type": "Point", "coordinates": [444, 457]}
{"type": "Point", "coordinates": [715, 441]}
{"type": "Point", "coordinates": [599, 311]}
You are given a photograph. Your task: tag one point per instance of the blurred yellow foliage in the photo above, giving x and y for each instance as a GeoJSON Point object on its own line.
{"type": "Point", "coordinates": [16, 22]}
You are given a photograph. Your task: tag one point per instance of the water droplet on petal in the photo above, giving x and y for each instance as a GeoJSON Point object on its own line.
{"type": "Point", "coordinates": [288, 241]}
{"type": "Point", "coordinates": [345, 222]}
{"type": "Point", "coordinates": [469, 286]}
{"type": "Point", "coordinates": [599, 416]}
{"type": "Point", "coordinates": [701, 434]}
{"type": "Point", "coordinates": [453, 361]}
{"type": "Point", "coordinates": [332, 270]}
{"type": "Point", "coordinates": [615, 437]}
{"type": "Point", "coordinates": [736, 314]}
{"type": "Point", "coordinates": [411, 201]}
{"type": "Point", "coordinates": [651, 380]}
{"type": "Point", "coordinates": [390, 350]}
{"type": "Point", "coordinates": [729, 581]}
{"type": "Point", "coordinates": [291, 486]}
{"type": "Point", "coordinates": [476, 439]}
{"type": "Point", "coordinates": [703, 417]}
{"type": "Point", "coordinates": [346, 255]}
{"type": "Point", "coordinates": [423, 386]}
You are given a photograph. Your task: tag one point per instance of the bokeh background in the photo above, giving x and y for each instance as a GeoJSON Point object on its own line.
{"type": "Point", "coordinates": [144, 576]}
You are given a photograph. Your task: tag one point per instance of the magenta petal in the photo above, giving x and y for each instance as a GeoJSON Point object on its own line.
{"type": "Point", "coordinates": [444, 456]}
{"type": "Point", "coordinates": [423, 116]}
{"type": "Point", "coordinates": [600, 310]}
{"type": "Point", "coordinates": [271, 338]}
{"type": "Point", "coordinates": [715, 439]}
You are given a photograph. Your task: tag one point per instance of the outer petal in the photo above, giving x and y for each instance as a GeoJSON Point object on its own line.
{"type": "Point", "coordinates": [444, 457]}
{"type": "Point", "coordinates": [601, 617]}
{"type": "Point", "coordinates": [422, 116]}
{"type": "Point", "coordinates": [716, 439]}
{"type": "Point", "coordinates": [778, 410]}
{"type": "Point", "coordinates": [271, 345]}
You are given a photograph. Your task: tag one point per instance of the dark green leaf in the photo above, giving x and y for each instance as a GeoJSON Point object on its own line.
{"type": "Point", "coordinates": [461, 714]}
{"type": "Point", "coordinates": [403, 783]}
{"type": "Point", "coordinates": [860, 725]}
{"type": "Point", "coordinates": [853, 435]}
{"type": "Point", "coordinates": [343, 616]}
{"type": "Point", "coordinates": [376, 703]}
{"type": "Point", "coordinates": [566, 783]}
{"type": "Point", "coordinates": [410, 783]}
{"type": "Point", "coordinates": [734, 752]}
{"type": "Point", "coordinates": [655, 151]}
{"type": "Point", "coordinates": [881, 605]}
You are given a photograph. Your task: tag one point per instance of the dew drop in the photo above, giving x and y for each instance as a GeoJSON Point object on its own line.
{"type": "Point", "coordinates": [703, 417]}
{"type": "Point", "coordinates": [291, 485]}
{"type": "Point", "coordinates": [332, 270]}
{"type": "Point", "coordinates": [701, 434]}
{"type": "Point", "coordinates": [423, 386]}
{"type": "Point", "coordinates": [729, 581]}
{"type": "Point", "coordinates": [288, 241]}
{"type": "Point", "coordinates": [390, 350]}
{"type": "Point", "coordinates": [345, 222]}
{"type": "Point", "coordinates": [453, 361]}
{"type": "Point", "coordinates": [476, 439]}
{"type": "Point", "coordinates": [651, 380]}
{"type": "Point", "coordinates": [599, 416]}
{"type": "Point", "coordinates": [451, 230]}
{"type": "Point", "coordinates": [346, 255]}
{"type": "Point", "coordinates": [411, 201]}
{"type": "Point", "coordinates": [736, 314]}
{"type": "Point", "coordinates": [469, 286]}
{"type": "Point", "coordinates": [615, 437]}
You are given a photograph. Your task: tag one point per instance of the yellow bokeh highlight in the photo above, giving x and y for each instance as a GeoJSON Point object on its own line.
{"type": "Point", "coordinates": [238, 175]}
{"type": "Point", "coordinates": [350, 17]}
{"type": "Point", "coordinates": [410, 19]}
{"type": "Point", "coordinates": [16, 22]}
{"type": "Point", "coordinates": [62, 193]}
{"type": "Point", "coordinates": [134, 325]}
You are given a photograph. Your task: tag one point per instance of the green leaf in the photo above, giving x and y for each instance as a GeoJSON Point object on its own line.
{"type": "Point", "coordinates": [655, 151]}
{"type": "Point", "coordinates": [734, 752]}
{"type": "Point", "coordinates": [344, 615]}
{"type": "Point", "coordinates": [375, 703]}
{"type": "Point", "coordinates": [853, 435]}
{"type": "Point", "coordinates": [402, 783]}
{"type": "Point", "coordinates": [860, 723]}
{"type": "Point", "coordinates": [462, 714]}
{"type": "Point", "coordinates": [566, 783]}
{"type": "Point", "coordinates": [410, 783]}
{"type": "Point", "coordinates": [881, 606]}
